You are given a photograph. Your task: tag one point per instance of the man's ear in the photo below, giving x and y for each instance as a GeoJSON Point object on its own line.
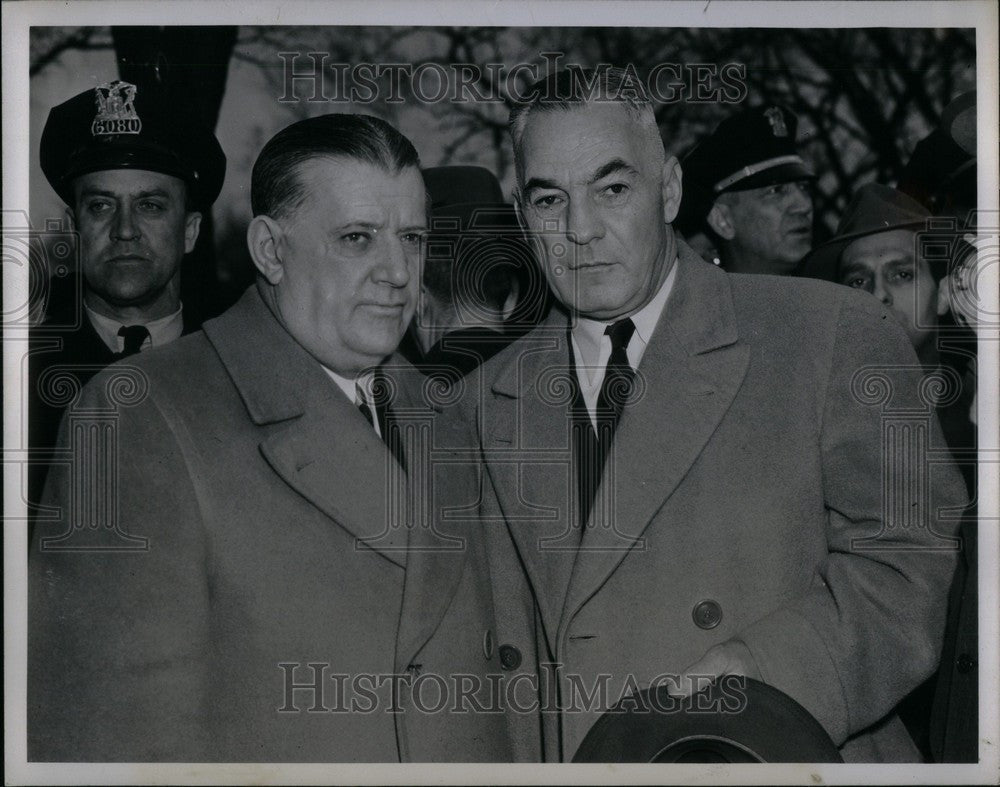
{"type": "Point", "coordinates": [672, 189]}
{"type": "Point", "coordinates": [264, 237]}
{"type": "Point", "coordinates": [70, 219]}
{"type": "Point", "coordinates": [721, 221]}
{"type": "Point", "coordinates": [192, 226]}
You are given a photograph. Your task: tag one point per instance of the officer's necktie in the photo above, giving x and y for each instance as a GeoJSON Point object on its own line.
{"type": "Point", "coordinates": [134, 336]}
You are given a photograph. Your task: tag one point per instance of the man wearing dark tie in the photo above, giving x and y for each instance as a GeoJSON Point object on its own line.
{"type": "Point", "coordinates": [260, 569]}
{"type": "Point", "coordinates": [136, 174]}
{"type": "Point", "coordinates": [684, 467]}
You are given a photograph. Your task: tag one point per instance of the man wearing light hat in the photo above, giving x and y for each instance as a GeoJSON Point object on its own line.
{"type": "Point", "coordinates": [748, 189]}
{"type": "Point", "coordinates": [135, 175]}
{"type": "Point", "coordinates": [274, 579]}
{"type": "Point", "coordinates": [681, 478]}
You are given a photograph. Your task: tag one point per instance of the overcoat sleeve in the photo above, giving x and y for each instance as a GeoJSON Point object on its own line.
{"type": "Point", "coordinates": [869, 629]}
{"type": "Point", "coordinates": [119, 638]}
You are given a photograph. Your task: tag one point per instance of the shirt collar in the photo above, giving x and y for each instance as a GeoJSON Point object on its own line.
{"type": "Point", "coordinates": [349, 385]}
{"type": "Point", "coordinates": [162, 330]}
{"type": "Point", "coordinates": [589, 333]}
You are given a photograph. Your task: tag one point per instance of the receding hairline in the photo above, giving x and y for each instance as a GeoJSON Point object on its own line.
{"type": "Point", "coordinates": [347, 158]}
{"type": "Point", "coordinates": [275, 179]}
{"type": "Point", "coordinates": [641, 119]}
{"type": "Point", "coordinates": [301, 184]}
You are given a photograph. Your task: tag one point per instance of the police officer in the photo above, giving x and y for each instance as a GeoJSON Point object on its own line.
{"type": "Point", "coordinates": [136, 175]}
{"type": "Point", "coordinates": [747, 189]}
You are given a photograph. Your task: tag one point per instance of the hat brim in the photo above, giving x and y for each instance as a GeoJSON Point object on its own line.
{"type": "Point", "coordinates": [783, 173]}
{"type": "Point", "coordinates": [98, 157]}
{"type": "Point", "coordinates": [823, 262]}
{"type": "Point", "coordinates": [735, 720]}
{"type": "Point", "coordinates": [473, 217]}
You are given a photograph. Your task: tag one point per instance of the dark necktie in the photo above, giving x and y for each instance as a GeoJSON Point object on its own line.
{"type": "Point", "coordinates": [363, 405]}
{"type": "Point", "coordinates": [592, 448]}
{"type": "Point", "coordinates": [134, 336]}
{"type": "Point", "coordinates": [618, 377]}
{"type": "Point", "coordinates": [387, 425]}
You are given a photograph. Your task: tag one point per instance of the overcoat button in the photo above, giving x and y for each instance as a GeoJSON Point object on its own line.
{"type": "Point", "coordinates": [707, 614]}
{"type": "Point", "coordinates": [510, 657]}
{"type": "Point", "coordinates": [965, 663]}
{"type": "Point", "coordinates": [488, 644]}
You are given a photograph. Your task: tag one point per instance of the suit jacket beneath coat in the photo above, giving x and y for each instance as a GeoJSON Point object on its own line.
{"type": "Point", "coordinates": [781, 467]}
{"type": "Point", "coordinates": [249, 572]}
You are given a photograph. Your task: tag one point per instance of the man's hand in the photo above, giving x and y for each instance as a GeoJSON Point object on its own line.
{"type": "Point", "coordinates": [727, 658]}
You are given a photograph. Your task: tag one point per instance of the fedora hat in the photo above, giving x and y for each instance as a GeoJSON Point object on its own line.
{"type": "Point", "coordinates": [873, 208]}
{"type": "Point", "coordinates": [466, 199]}
{"type": "Point", "coordinates": [735, 719]}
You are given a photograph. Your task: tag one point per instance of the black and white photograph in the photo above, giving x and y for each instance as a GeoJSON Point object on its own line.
{"type": "Point", "coordinates": [501, 393]}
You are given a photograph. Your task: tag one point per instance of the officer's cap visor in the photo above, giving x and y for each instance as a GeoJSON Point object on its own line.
{"type": "Point", "coordinates": [126, 156]}
{"type": "Point", "coordinates": [783, 173]}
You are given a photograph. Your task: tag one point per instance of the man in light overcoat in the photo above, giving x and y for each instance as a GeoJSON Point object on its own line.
{"type": "Point", "coordinates": [245, 559]}
{"type": "Point", "coordinates": [691, 473]}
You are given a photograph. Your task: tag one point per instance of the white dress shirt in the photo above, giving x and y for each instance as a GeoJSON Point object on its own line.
{"type": "Point", "coordinates": [350, 388]}
{"type": "Point", "coordinates": [592, 347]}
{"type": "Point", "coordinates": [161, 331]}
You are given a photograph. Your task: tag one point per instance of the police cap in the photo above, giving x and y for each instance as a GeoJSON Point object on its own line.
{"type": "Point", "coordinates": [119, 125]}
{"type": "Point", "coordinates": [751, 149]}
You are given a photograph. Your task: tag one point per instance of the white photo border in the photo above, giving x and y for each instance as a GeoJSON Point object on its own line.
{"type": "Point", "coordinates": [19, 17]}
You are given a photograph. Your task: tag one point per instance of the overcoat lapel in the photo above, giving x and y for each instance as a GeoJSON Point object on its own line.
{"type": "Point", "coordinates": [690, 374]}
{"type": "Point", "coordinates": [312, 436]}
{"type": "Point", "coordinates": [317, 441]}
{"type": "Point", "coordinates": [528, 455]}
{"type": "Point", "coordinates": [337, 468]}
